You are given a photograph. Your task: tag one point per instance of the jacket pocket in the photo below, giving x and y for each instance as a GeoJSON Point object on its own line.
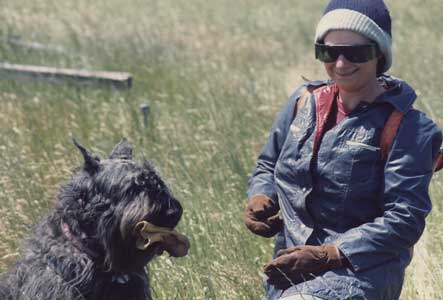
{"type": "Point", "coordinates": [366, 179]}
{"type": "Point", "coordinates": [365, 161]}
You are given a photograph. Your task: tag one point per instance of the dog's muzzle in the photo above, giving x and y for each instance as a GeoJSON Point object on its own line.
{"type": "Point", "coordinates": [148, 234]}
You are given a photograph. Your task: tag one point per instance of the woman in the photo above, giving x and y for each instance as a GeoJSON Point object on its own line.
{"type": "Point", "coordinates": [349, 218]}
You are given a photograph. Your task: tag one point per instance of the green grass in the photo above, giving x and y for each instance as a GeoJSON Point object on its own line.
{"type": "Point", "coordinates": [214, 74]}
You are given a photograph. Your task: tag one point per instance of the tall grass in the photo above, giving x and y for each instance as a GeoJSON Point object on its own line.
{"type": "Point", "coordinates": [214, 74]}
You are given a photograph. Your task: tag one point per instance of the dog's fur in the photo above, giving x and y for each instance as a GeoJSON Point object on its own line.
{"type": "Point", "coordinates": [85, 249]}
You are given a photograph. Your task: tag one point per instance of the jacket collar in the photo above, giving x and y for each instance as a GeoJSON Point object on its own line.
{"type": "Point", "coordinates": [398, 93]}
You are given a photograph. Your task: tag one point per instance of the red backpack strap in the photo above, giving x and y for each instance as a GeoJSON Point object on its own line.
{"type": "Point", "coordinates": [389, 132]}
{"type": "Point", "coordinates": [438, 164]}
{"type": "Point", "coordinates": [301, 102]}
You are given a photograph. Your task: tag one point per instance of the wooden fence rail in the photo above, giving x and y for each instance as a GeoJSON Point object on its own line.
{"type": "Point", "coordinates": [120, 80]}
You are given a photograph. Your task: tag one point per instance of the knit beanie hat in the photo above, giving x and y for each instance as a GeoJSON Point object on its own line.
{"type": "Point", "coordinates": [369, 18]}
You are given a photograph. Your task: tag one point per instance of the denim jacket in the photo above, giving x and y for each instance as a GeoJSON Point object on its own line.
{"type": "Point", "coordinates": [374, 211]}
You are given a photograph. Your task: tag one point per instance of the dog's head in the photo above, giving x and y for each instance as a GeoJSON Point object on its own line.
{"type": "Point", "coordinates": [120, 210]}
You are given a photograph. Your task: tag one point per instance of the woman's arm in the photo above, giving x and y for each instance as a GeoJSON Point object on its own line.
{"type": "Point", "coordinates": [405, 198]}
{"type": "Point", "coordinates": [261, 181]}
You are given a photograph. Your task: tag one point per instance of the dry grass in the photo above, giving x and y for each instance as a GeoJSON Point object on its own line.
{"type": "Point", "coordinates": [214, 73]}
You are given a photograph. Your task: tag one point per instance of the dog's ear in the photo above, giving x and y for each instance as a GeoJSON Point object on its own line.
{"type": "Point", "coordinates": [92, 161]}
{"type": "Point", "coordinates": [122, 150]}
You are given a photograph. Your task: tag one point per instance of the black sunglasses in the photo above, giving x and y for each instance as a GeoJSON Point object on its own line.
{"type": "Point", "coordinates": [354, 53]}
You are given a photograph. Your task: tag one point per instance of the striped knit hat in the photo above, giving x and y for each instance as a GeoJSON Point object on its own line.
{"type": "Point", "coordinates": [369, 18]}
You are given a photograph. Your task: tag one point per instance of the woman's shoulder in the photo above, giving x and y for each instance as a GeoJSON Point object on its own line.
{"type": "Point", "coordinates": [307, 86]}
{"type": "Point", "coordinates": [418, 122]}
{"type": "Point", "coordinates": [311, 85]}
{"type": "Point", "coordinates": [421, 138]}
{"type": "Point", "coordinates": [403, 98]}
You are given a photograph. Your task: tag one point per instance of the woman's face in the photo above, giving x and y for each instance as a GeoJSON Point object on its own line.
{"type": "Point", "coordinates": [350, 76]}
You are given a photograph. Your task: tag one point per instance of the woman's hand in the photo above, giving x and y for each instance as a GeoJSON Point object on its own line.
{"type": "Point", "coordinates": [297, 264]}
{"type": "Point", "coordinates": [261, 216]}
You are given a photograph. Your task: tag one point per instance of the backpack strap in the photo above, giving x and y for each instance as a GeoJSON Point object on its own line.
{"type": "Point", "coordinates": [302, 100]}
{"type": "Point", "coordinates": [388, 135]}
{"type": "Point", "coordinates": [438, 164]}
{"type": "Point", "coordinates": [389, 132]}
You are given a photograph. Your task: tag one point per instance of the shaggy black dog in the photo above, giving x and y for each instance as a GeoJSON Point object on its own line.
{"type": "Point", "coordinates": [110, 220]}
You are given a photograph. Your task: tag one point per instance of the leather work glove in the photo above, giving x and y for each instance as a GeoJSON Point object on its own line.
{"type": "Point", "coordinates": [301, 263]}
{"type": "Point", "coordinates": [261, 216]}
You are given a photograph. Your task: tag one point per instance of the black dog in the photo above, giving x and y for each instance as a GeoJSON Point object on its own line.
{"type": "Point", "coordinates": [110, 220]}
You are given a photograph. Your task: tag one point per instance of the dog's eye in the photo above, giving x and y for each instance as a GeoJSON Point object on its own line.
{"type": "Point", "coordinates": [140, 180]}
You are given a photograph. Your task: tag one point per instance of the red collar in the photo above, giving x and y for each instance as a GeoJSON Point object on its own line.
{"type": "Point", "coordinates": [77, 243]}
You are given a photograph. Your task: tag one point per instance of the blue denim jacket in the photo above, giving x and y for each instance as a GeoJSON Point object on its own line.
{"type": "Point", "coordinates": [374, 211]}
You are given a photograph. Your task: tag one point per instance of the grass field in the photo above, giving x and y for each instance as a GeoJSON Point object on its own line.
{"type": "Point", "coordinates": [214, 74]}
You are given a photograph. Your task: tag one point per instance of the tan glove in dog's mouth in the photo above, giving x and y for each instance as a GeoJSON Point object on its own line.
{"type": "Point", "coordinates": [148, 234]}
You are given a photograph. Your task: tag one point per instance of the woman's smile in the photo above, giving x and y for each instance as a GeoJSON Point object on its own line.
{"type": "Point", "coordinates": [346, 73]}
